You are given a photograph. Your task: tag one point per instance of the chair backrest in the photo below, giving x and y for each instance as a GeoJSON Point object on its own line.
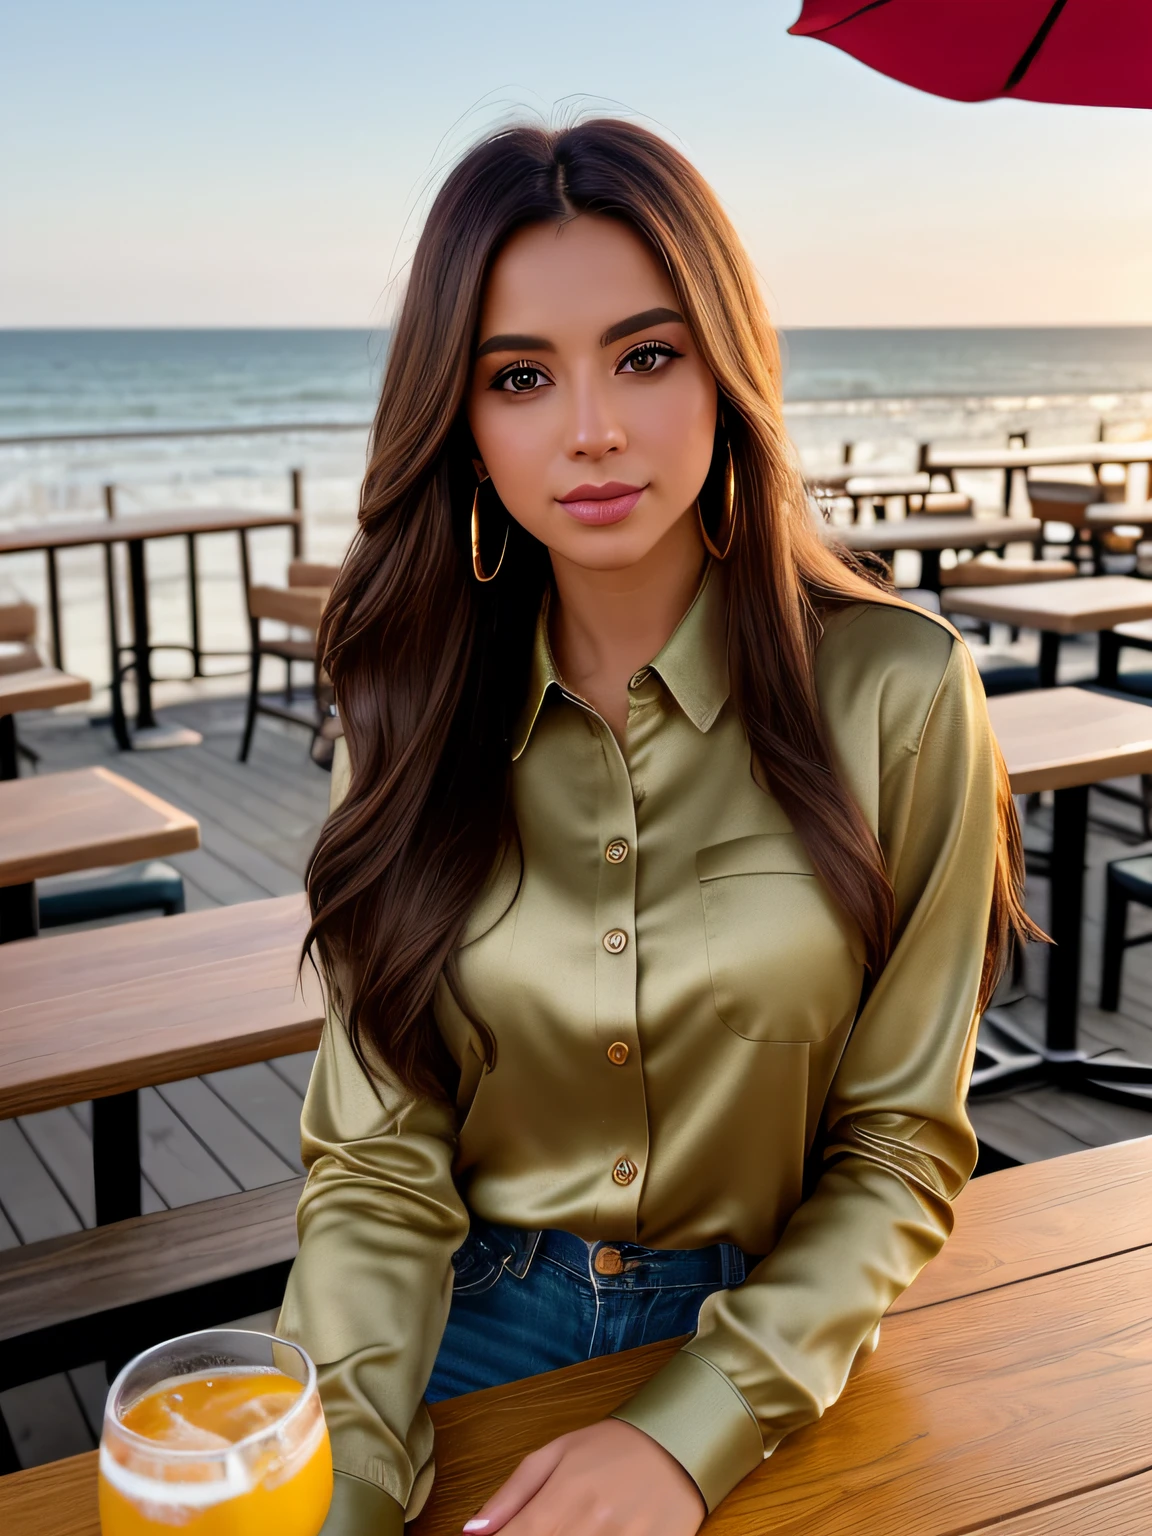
{"type": "Point", "coordinates": [17, 621]}
{"type": "Point", "coordinates": [310, 573]}
{"type": "Point", "coordinates": [1062, 501]}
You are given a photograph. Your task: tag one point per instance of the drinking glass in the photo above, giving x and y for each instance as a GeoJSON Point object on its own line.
{"type": "Point", "coordinates": [219, 1433]}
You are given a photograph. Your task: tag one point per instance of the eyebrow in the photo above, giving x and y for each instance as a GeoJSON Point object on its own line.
{"type": "Point", "coordinates": [640, 322]}
{"type": "Point", "coordinates": [518, 343]}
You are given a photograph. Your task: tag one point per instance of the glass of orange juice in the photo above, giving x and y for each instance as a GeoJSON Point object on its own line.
{"type": "Point", "coordinates": [218, 1433]}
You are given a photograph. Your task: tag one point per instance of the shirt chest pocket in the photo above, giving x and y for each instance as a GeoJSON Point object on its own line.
{"type": "Point", "coordinates": [782, 961]}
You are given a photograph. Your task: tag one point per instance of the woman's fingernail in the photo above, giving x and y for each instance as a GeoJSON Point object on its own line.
{"type": "Point", "coordinates": [477, 1525]}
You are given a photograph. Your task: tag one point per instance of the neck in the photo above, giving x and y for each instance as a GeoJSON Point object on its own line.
{"type": "Point", "coordinates": [608, 624]}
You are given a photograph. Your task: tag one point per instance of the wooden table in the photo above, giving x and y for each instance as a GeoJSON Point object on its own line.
{"type": "Point", "coordinates": [931, 534]}
{"type": "Point", "coordinates": [64, 822]}
{"type": "Point", "coordinates": [1082, 605]}
{"type": "Point", "coordinates": [947, 461]}
{"type": "Point", "coordinates": [1066, 739]}
{"type": "Point", "coordinates": [1011, 1394]}
{"type": "Point", "coordinates": [134, 532]}
{"type": "Point", "coordinates": [37, 688]}
{"type": "Point", "coordinates": [1118, 514]}
{"type": "Point", "coordinates": [101, 1014]}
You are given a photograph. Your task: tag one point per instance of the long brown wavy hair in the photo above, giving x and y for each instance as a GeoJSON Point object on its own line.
{"type": "Point", "coordinates": [430, 668]}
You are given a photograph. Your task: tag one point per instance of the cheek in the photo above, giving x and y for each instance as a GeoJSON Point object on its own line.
{"type": "Point", "coordinates": [514, 444]}
{"type": "Point", "coordinates": [677, 427]}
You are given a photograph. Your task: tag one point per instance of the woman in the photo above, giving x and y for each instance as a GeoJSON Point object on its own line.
{"type": "Point", "coordinates": [674, 865]}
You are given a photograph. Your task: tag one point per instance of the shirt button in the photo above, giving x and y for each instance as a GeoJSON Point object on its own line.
{"type": "Point", "coordinates": [616, 851]}
{"type": "Point", "coordinates": [615, 941]}
{"type": "Point", "coordinates": [638, 679]}
{"type": "Point", "coordinates": [624, 1171]}
{"type": "Point", "coordinates": [617, 1053]}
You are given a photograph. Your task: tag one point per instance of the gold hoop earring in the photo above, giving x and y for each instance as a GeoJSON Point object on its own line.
{"type": "Point", "coordinates": [477, 567]}
{"type": "Point", "coordinates": [730, 516]}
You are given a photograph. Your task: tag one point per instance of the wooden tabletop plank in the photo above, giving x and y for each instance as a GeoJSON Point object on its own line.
{"type": "Point", "coordinates": [933, 532]}
{"type": "Point", "coordinates": [1073, 607]}
{"type": "Point", "coordinates": [63, 822]}
{"type": "Point", "coordinates": [41, 688]}
{"type": "Point", "coordinates": [1117, 1509]}
{"type": "Point", "coordinates": [57, 1499]}
{"type": "Point", "coordinates": [1056, 738]}
{"type": "Point", "coordinates": [1028, 1221]}
{"type": "Point", "coordinates": [1040, 457]}
{"type": "Point", "coordinates": [141, 525]}
{"type": "Point", "coordinates": [1118, 513]}
{"type": "Point", "coordinates": [88, 1014]}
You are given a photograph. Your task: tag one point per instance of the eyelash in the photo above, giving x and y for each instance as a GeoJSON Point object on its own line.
{"type": "Point", "coordinates": [660, 348]}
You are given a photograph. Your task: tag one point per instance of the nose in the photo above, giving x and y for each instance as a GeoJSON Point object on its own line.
{"type": "Point", "coordinates": [594, 428]}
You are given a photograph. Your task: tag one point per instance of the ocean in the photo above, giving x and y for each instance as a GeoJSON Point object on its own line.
{"type": "Point", "coordinates": [883, 391]}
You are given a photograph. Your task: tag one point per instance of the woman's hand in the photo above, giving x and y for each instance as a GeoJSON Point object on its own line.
{"type": "Point", "coordinates": [610, 1479]}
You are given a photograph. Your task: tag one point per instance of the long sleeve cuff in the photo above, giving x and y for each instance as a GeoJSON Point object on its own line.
{"type": "Point", "coordinates": [360, 1508]}
{"type": "Point", "coordinates": [692, 1409]}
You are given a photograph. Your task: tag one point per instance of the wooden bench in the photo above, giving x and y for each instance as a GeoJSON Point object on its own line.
{"type": "Point", "coordinates": [1010, 1394]}
{"type": "Point", "coordinates": [106, 1293]}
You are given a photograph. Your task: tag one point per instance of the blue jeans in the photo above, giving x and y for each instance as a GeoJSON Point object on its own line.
{"type": "Point", "coordinates": [526, 1302]}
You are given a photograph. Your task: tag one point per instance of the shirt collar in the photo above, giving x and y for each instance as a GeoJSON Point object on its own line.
{"type": "Point", "coordinates": [693, 663]}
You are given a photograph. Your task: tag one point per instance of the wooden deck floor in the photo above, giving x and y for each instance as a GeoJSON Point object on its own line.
{"type": "Point", "coordinates": [239, 1129]}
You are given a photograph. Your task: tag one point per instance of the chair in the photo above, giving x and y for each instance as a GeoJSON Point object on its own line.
{"type": "Point", "coordinates": [1127, 880]}
{"type": "Point", "coordinates": [152, 886]}
{"type": "Point", "coordinates": [299, 606]}
{"type": "Point", "coordinates": [990, 570]}
{"type": "Point", "coordinates": [18, 651]}
{"type": "Point", "coordinates": [1064, 501]}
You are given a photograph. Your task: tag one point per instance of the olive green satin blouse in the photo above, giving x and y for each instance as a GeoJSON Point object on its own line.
{"type": "Point", "coordinates": [674, 1001]}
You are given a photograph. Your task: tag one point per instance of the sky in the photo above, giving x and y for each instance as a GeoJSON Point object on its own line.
{"type": "Point", "coordinates": [248, 163]}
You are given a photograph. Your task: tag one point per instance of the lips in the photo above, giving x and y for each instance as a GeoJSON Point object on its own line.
{"type": "Point", "coordinates": [600, 505]}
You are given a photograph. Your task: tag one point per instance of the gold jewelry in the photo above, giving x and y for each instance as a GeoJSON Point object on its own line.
{"type": "Point", "coordinates": [730, 514]}
{"type": "Point", "coordinates": [477, 567]}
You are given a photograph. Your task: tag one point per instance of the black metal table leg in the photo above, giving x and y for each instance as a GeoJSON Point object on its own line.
{"type": "Point", "coordinates": [194, 605]}
{"type": "Point", "coordinates": [19, 912]}
{"type": "Point", "coordinates": [1108, 659]}
{"type": "Point", "coordinates": [1059, 1060]}
{"type": "Point", "coordinates": [54, 609]}
{"type": "Point", "coordinates": [1066, 888]}
{"type": "Point", "coordinates": [116, 1156]}
{"type": "Point", "coordinates": [9, 761]}
{"type": "Point", "coordinates": [119, 723]}
{"type": "Point", "coordinates": [930, 570]}
{"type": "Point", "coordinates": [1049, 657]}
{"type": "Point", "coordinates": [141, 641]}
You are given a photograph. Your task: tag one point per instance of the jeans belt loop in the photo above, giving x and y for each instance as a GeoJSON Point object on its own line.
{"type": "Point", "coordinates": [526, 1244]}
{"type": "Point", "coordinates": [732, 1266]}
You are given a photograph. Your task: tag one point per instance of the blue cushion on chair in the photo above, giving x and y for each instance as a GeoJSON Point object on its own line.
{"type": "Point", "coordinates": [98, 893]}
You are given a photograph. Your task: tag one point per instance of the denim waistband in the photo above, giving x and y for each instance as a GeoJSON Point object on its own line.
{"type": "Point", "coordinates": [613, 1265]}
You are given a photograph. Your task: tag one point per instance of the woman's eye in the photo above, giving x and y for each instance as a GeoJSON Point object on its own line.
{"type": "Point", "coordinates": [520, 380]}
{"type": "Point", "coordinates": [648, 358]}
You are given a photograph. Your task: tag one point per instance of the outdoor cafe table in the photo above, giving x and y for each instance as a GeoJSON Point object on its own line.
{"type": "Point", "coordinates": [946, 461]}
{"type": "Point", "coordinates": [134, 532]}
{"type": "Point", "coordinates": [1011, 1394]}
{"type": "Point", "coordinates": [60, 823]}
{"type": "Point", "coordinates": [930, 534]}
{"type": "Point", "coordinates": [100, 1014]}
{"type": "Point", "coordinates": [1065, 739]}
{"type": "Point", "coordinates": [1081, 605]}
{"type": "Point", "coordinates": [37, 688]}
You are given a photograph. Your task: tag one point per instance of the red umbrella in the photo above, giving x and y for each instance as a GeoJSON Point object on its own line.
{"type": "Point", "coordinates": [1094, 53]}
